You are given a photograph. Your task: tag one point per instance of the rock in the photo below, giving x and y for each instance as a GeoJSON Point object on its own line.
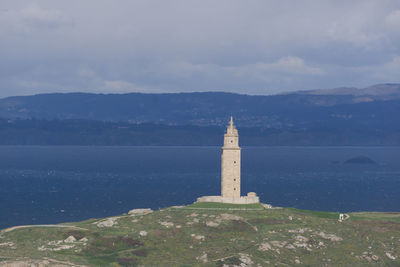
{"type": "Point", "coordinates": [203, 258]}
{"type": "Point", "coordinates": [7, 244]}
{"type": "Point", "coordinates": [290, 246]}
{"type": "Point", "coordinates": [267, 206]}
{"type": "Point", "coordinates": [70, 239]}
{"type": "Point", "coordinates": [300, 230]}
{"type": "Point", "coordinates": [198, 237]}
{"type": "Point", "coordinates": [63, 247]}
{"type": "Point", "coordinates": [23, 264]}
{"type": "Point", "coordinates": [330, 237]}
{"type": "Point", "coordinates": [55, 243]}
{"type": "Point", "coordinates": [390, 256]}
{"type": "Point", "coordinates": [167, 224]}
{"type": "Point", "coordinates": [84, 239]}
{"type": "Point", "coordinates": [279, 244]}
{"type": "Point", "coordinates": [301, 238]}
{"type": "Point", "coordinates": [44, 263]}
{"type": "Point", "coordinates": [375, 257]}
{"type": "Point", "coordinates": [245, 258]}
{"type": "Point", "coordinates": [226, 216]}
{"type": "Point", "coordinates": [212, 224]}
{"type": "Point", "coordinates": [107, 223]}
{"type": "Point", "coordinates": [140, 211]}
{"type": "Point", "coordinates": [16, 264]}
{"type": "Point", "coordinates": [300, 245]}
{"type": "Point", "coordinates": [264, 246]}
{"type": "Point", "coordinates": [142, 233]}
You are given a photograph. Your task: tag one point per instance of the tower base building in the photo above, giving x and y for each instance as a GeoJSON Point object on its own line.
{"type": "Point", "coordinates": [251, 198]}
{"type": "Point", "coordinates": [230, 172]}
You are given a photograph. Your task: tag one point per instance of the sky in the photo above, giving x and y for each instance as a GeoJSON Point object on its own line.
{"type": "Point", "coordinates": [153, 46]}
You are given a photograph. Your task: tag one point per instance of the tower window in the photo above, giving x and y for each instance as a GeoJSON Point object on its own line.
{"type": "Point", "coordinates": [234, 161]}
{"type": "Point", "coordinates": [231, 141]}
{"type": "Point", "coordinates": [234, 180]}
{"type": "Point", "coordinates": [234, 189]}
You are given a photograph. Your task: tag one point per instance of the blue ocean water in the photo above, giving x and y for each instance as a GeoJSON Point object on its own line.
{"type": "Point", "coordinates": [52, 184]}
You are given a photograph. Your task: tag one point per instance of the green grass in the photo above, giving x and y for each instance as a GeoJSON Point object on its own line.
{"type": "Point", "coordinates": [319, 214]}
{"type": "Point", "coordinates": [214, 205]}
{"type": "Point", "coordinates": [381, 216]}
{"type": "Point", "coordinates": [225, 232]}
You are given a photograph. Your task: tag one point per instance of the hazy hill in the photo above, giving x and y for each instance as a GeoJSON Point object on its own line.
{"type": "Point", "coordinates": [90, 132]}
{"type": "Point", "coordinates": [375, 92]}
{"type": "Point", "coordinates": [321, 117]}
{"type": "Point", "coordinates": [212, 108]}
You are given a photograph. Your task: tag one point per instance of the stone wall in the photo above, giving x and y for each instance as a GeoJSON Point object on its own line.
{"type": "Point", "coordinates": [239, 200]}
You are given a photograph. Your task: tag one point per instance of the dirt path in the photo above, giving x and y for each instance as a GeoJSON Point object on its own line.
{"type": "Point", "coordinates": [42, 225]}
{"type": "Point", "coordinates": [15, 262]}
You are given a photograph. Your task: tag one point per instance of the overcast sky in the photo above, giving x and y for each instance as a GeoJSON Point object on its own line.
{"type": "Point", "coordinates": [253, 47]}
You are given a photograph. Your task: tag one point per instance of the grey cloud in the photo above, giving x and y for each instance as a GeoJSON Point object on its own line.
{"type": "Point", "coordinates": [35, 16]}
{"type": "Point", "coordinates": [31, 19]}
{"type": "Point", "coordinates": [258, 47]}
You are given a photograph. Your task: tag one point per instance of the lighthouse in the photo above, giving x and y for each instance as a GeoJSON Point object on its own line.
{"type": "Point", "coordinates": [230, 163]}
{"type": "Point", "coordinates": [230, 172]}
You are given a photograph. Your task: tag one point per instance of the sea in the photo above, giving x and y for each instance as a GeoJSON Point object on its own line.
{"type": "Point", "coordinates": [53, 184]}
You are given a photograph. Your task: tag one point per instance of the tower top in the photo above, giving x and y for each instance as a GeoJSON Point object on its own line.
{"type": "Point", "coordinates": [231, 129]}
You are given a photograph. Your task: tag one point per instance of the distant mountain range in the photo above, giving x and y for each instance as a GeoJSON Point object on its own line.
{"type": "Point", "coordinates": [388, 91]}
{"type": "Point", "coordinates": [209, 108]}
{"type": "Point", "coordinates": [342, 116]}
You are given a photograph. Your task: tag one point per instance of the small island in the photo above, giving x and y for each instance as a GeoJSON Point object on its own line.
{"type": "Point", "coordinates": [360, 160]}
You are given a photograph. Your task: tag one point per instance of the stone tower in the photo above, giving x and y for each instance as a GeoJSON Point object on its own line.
{"type": "Point", "coordinates": [230, 172]}
{"type": "Point", "coordinates": [230, 163]}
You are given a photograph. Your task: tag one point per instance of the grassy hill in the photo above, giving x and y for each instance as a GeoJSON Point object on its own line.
{"type": "Point", "coordinates": [210, 234]}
